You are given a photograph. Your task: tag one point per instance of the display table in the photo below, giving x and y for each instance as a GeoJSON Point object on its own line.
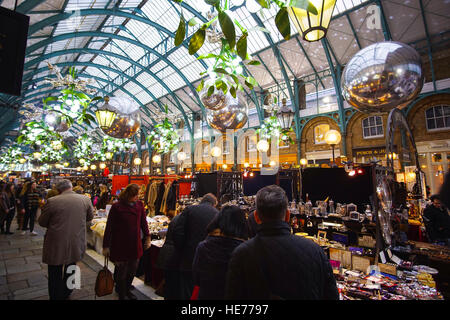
{"type": "Point", "coordinates": [153, 276]}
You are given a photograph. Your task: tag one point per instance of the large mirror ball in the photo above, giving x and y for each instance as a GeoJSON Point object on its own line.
{"type": "Point", "coordinates": [382, 76]}
{"type": "Point", "coordinates": [232, 117]}
{"type": "Point", "coordinates": [223, 112]}
{"type": "Point", "coordinates": [124, 126]}
{"type": "Point", "coordinates": [127, 121]}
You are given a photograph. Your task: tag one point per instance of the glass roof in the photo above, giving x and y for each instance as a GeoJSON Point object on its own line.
{"type": "Point", "coordinates": [127, 46]}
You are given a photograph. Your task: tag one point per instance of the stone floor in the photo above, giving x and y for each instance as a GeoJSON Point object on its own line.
{"type": "Point", "coordinates": [23, 276]}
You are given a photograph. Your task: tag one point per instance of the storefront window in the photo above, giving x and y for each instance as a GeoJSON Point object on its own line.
{"type": "Point", "coordinates": [251, 144]}
{"type": "Point", "coordinates": [437, 157]}
{"type": "Point", "coordinates": [205, 150]}
{"type": "Point", "coordinates": [226, 147]}
{"type": "Point", "coordinates": [372, 127]}
{"type": "Point", "coordinates": [319, 133]}
{"type": "Point", "coordinates": [438, 117]}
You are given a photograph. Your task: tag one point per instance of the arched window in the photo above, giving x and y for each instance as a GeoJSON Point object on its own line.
{"type": "Point", "coordinates": [319, 133]}
{"type": "Point", "coordinates": [438, 117]}
{"type": "Point", "coordinates": [250, 143]}
{"type": "Point", "coordinates": [373, 127]}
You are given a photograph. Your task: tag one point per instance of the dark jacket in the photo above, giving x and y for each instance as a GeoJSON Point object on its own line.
{"type": "Point", "coordinates": [190, 230]}
{"type": "Point", "coordinates": [103, 200]}
{"type": "Point", "coordinates": [445, 191]}
{"type": "Point", "coordinates": [252, 225]}
{"type": "Point", "coordinates": [159, 198]}
{"type": "Point", "coordinates": [287, 266]}
{"type": "Point", "coordinates": [123, 231]}
{"type": "Point", "coordinates": [437, 222]}
{"type": "Point", "coordinates": [169, 256]}
{"type": "Point", "coordinates": [32, 200]}
{"type": "Point", "coordinates": [211, 264]}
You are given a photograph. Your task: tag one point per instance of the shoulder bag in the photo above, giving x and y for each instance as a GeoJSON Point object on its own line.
{"type": "Point", "coordinates": [104, 284]}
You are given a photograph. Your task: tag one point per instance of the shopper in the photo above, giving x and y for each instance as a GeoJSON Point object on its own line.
{"type": "Point", "coordinates": [122, 241]}
{"type": "Point", "coordinates": [227, 231]}
{"type": "Point", "coordinates": [78, 189]}
{"type": "Point", "coordinates": [437, 221]}
{"type": "Point", "coordinates": [21, 204]}
{"type": "Point", "coordinates": [52, 192]}
{"type": "Point", "coordinates": [189, 231]}
{"type": "Point", "coordinates": [276, 264]}
{"type": "Point", "coordinates": [169, 261]}
{"type": "Point", "coordinates": [3, 206]}
{"type": "Point", "coordinates": [65, 217]}
{"type": "Point", "coordinates": [32, 200]}
{"type": "Point", "coordinates": [9, 203]}
{"type": "Point", "coordinates": [103, 198]}
{"type": "Point", "coordinates": [445, 191]}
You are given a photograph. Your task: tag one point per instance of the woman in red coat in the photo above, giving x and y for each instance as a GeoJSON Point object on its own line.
{"type": "Point", "coordinates": [122, 241]}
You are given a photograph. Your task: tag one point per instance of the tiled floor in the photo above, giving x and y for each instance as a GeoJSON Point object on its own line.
{"type": "Point", "coordinates": [23, 276]}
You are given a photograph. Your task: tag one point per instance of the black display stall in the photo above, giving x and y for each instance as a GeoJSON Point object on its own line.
{"type": "Point", "coordinates": [338, 185]}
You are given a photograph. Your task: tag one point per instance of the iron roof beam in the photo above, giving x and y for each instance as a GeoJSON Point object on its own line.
{"type": "Point", "coordinates": [430, 53]}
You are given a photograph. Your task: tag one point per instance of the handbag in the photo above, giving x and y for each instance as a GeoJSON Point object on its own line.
{"type": "Point", "coordinates": [104, 284]}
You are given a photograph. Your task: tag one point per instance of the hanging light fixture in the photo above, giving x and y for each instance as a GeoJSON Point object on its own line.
{"type": "Point", "coordinates": [105, 115]}
{"type": "Point", "coordinates": [156, 158]}
{"type": "Point", "coordinates": [303, 162]}
{"type": "Point", "coordinates": [262, 146]}
{"type": "Point", "coordinates": [216, 152]}
{"type": "Point", "coordinates": [66, 164]}
{"type": "Point", "coordinates": [285, 116]}
{"type": "Point", "coordinates": [137, 161]}
{"type": "Point", "coordinates": [93, 167]}
{"type": "Point", "coordinates": [102, 166]}
{"type": "Point", "coordinates": [313, 27]}
{"type": "Point", "coordinates": [108, 155]}
{"type": "Point", "coordinates": [181, 156]}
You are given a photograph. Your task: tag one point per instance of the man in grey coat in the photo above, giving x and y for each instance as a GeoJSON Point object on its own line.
{"type": "Point", "coordinates": [65, 217]}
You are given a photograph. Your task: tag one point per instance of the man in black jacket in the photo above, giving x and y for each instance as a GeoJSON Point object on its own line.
{"type": "Point", "coordinates": [437, 221]}
{"type": "Point", "coordinates": [276, 264]}
{"type": "Point", "coordinates": [188, 232]}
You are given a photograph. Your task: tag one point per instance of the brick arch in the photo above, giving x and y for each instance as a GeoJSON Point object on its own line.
{"type": "Point", "coordinates": [307, 137]}
{"type": "Point", "coordinates": [417, 120]}
{"type": "Point", "coordinates": [355, 136]}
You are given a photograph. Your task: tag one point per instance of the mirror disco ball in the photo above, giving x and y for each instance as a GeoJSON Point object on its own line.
{"type": "Point", "coordinates": [55, 121]}
{"type": "Point", "coordinates": [124, 126]}
{"type": "Point", "coordinates": [382, 76]}
{"type": "Point", "coordinates": [233, 117]}
{"type": "Point", "coordinates": [215, 101]}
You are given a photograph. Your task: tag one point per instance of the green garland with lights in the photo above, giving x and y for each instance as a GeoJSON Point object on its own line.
{"type": "Point", "coordinates": [164, 138]}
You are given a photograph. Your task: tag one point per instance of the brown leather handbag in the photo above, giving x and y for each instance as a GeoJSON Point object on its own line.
{"type": "Point", "coordinates": [104, 284]}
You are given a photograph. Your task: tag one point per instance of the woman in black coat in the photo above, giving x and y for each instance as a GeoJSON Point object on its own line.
{"type": "Point", "coordinates": [227, 231]}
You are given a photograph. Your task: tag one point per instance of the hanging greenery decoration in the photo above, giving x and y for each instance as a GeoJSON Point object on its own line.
{"type": "Point", "coordinates": [164, 138]}
{"type": "Point", "coordinates": [39, 135]}
{"type": "Point", "coordinates": [83, 150]}
{"type": "Point", "coordinates": [53, 152]}
{"type": "Point", "coordinates": [113, 145]}
{"type": "Point", "coordinates": [227, 72]}
{"type": "Point", "coordinates": [271, 127]}
{"type": "Point", "coordinates": [71, 105]}
{"type": "Point", "coordinates": [11, 155]}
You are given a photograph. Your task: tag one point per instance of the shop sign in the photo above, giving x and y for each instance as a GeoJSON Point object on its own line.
{"type": "Point", "coordinates": [375, 152]}
{"type": "Point", "coordinates": [120, 163]}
